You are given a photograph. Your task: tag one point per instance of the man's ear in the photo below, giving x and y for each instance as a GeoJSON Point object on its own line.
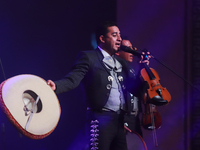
{"type": "Point", "coordinates": [102, 39]}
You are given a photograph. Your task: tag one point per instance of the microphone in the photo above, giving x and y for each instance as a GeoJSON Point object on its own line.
{"type": "Point", "coordinates": [129, 50]}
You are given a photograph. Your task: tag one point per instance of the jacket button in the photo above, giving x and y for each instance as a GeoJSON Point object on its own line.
{"type": "Point", "coordinates": [108, 86]}
{"type": "Point", "coordinates": [110, 78]}
{"type": "Point", "coordinates": [120, 78]}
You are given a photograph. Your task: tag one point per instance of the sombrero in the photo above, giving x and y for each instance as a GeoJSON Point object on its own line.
{"type": "Point", "coordinates": [30, 104]}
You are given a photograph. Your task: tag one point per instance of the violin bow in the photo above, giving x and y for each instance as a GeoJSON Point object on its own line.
{"type": "Point", "coordinates": [174, 72]}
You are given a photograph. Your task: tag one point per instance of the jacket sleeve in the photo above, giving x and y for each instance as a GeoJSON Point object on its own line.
{"type": "Point", "coordinates": [74, 77]}
{"type": "Point", "coordinates": [135, 84]}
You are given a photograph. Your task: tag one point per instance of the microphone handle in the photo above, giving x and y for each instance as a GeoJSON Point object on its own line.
{"type": "Point", "coordinates": [129, 50]}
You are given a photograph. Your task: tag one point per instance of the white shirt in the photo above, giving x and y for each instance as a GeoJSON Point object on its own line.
{"type": "Point", "coordinates": [116, 98]}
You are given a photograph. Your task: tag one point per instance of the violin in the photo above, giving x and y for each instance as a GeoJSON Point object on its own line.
{"type": "Point", "coordinates": [155, 95]}
{"type": "Point", "coordinates": [151, 119]}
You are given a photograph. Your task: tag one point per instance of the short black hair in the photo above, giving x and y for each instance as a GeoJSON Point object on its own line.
{"type": "Point", "coordinates": [102, 29]}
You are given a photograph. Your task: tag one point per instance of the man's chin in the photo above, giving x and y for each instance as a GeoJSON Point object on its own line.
{"type": "Point", "coordinates": [131, 60]}
{"type": "Point", "coordinates": [116, 50]}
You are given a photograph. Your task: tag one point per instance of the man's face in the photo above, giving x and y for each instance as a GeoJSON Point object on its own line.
{"type": "Point", "coordinates": [112, 40]}
{"type": "Point", "coordinates": [127, 56]}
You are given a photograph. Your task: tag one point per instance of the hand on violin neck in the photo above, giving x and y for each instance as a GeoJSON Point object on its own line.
{"type": "Point", "coordinates": [144, 61]}
{"type": "Point", "coordinates": [145, 57]}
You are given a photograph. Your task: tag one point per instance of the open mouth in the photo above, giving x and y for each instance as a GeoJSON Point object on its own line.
{"type": "Point", "coordinates": [117, 44]}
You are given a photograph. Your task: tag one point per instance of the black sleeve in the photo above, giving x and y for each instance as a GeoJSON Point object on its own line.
{"type": "Point", "coordinates": [74, 77]}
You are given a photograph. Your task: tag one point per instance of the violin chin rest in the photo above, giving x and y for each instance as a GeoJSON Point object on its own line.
{"type": "Point", "coordinates": [158, 101]}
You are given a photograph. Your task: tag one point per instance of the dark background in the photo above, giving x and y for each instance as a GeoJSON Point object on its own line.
{"type": "Point", "coordinates": [42, 38]}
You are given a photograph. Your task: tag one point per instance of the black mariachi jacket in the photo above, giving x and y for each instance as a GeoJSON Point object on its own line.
{"type": "Point", "coordinates": [91, 71]}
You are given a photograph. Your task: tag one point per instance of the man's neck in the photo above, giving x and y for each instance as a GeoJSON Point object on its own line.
{"type": "Point", "coordinates": [103, 48]}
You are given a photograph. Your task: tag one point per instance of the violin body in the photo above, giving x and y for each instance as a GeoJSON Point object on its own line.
{"type": "Point", "coordinates": [151, 119]}
{"type": "Point", "coordinates": [157, 94]}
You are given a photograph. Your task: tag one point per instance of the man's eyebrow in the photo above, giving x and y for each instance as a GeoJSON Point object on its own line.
{"type": "Point", "coordinates": [114, 33]}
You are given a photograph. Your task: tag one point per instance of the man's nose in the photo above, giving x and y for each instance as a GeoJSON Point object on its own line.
{"type": "Point", "coordinates": [119, 38]}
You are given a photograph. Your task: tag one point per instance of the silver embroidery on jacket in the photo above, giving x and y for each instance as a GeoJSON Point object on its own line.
{"type": "Point", "coordinates": [94, 134]}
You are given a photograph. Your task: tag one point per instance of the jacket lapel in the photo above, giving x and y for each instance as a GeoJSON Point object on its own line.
{"type": "Point", "coordinates": [100, 58]}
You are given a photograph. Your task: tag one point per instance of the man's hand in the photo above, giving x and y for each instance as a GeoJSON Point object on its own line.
{"type": "Point", "coordinates": [146, 59]}
{"type": "Point", "coordinates": [51, 84]}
